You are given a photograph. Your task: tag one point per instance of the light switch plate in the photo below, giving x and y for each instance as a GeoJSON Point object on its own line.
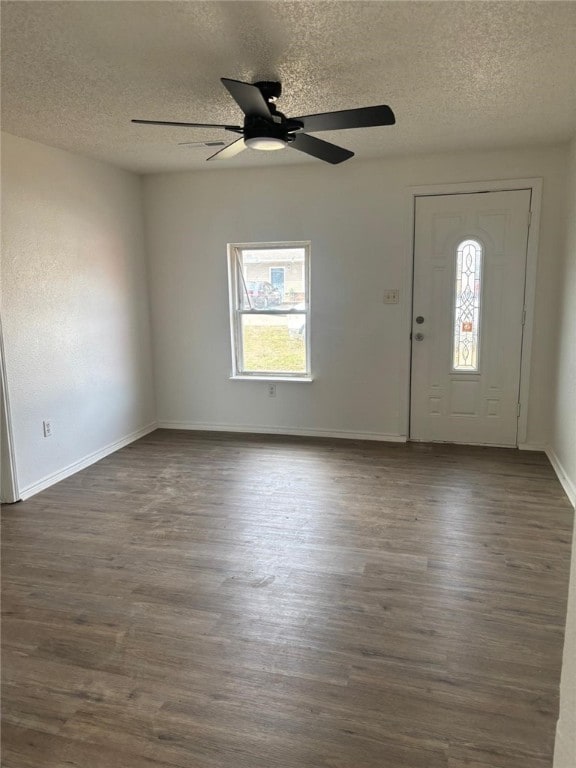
{"type": "Point", "coordinates": [391, 296]}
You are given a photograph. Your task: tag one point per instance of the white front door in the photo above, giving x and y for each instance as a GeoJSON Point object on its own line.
{"type": "Point", "coordinates": [468, 314]}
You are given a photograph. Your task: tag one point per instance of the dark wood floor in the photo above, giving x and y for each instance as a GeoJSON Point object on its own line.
{"type": "Point", "coordinates": [217, 601]}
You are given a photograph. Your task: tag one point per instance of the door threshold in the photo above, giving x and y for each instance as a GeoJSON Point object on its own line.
{"type": "Point", "coordinates": [455, 442]}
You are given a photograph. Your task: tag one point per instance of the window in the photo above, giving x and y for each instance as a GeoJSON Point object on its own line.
{"type": "Point", "coordinates": [269, 307]}
{"type": "Point", "coordinates": [466, 344]}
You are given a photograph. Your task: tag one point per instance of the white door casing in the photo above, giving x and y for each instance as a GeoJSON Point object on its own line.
{"type": "Point", "coordinates": [8, 478]}
{"type": "Point", "coordinates": [478, 405]}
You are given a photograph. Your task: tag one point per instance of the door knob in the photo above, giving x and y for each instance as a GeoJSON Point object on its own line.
{"type": "Point", "coordinates": [419, 319]}
{"type": "Point", "coordinates": [419, 337]}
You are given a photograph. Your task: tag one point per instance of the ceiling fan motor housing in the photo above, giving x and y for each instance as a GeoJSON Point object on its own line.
{"type": "Point", "coordinates": [257, 127]}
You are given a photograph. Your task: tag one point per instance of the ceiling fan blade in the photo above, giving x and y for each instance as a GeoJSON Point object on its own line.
{"type": "Point", "coordinates": [248, 97]}
{"type": "Point", "coordinates": [187, 125]}
{"type": "Point", "coordinates": [201, 143]}
{"type": "Point", "coordinates": [230, 151]}
{"type": "Point", "coordinates": [364, 117]}
{"type": "Point", "coordinates": [321, 149]}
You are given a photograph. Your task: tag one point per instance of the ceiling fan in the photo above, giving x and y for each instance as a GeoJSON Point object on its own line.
{"type": "Point", "coordinates": [266, 128]}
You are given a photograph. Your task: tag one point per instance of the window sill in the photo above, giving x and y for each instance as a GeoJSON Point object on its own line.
{"type": "Point", "coordinates": [304, 379]}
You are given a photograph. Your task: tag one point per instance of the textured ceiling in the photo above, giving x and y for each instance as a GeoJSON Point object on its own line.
{"type": "Point", "coordinates": [458, 75]}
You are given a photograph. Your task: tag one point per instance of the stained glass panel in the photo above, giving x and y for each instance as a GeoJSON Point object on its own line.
{"type": "Point", "coordinates": [467, 306]}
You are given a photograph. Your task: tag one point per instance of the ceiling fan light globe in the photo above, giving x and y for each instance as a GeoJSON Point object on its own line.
{"type": "Point", "coordinates": [266, 143]}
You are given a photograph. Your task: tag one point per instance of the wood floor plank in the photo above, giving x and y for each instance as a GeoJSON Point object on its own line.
{"type": "Point", "coordinates": [232, 601]}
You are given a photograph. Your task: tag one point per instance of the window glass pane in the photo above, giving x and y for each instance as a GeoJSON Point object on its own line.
{"type": "Point", "coordinates": [271, 278]}
{"type": "Point", "coordinates": [467, 306]}
{"type": "Point", "coordinates": [274, 343]}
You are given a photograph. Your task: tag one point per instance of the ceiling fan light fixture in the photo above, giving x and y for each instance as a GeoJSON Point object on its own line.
{"type": "Point", "coordinates": [266, 143]}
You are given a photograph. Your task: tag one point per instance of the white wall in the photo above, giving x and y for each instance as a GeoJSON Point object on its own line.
{"type": "Point", "coordinates": [563, 454]}
{"type": "Point", "coordinates": [563, 437]}
{"type": "Point", "coordinates": [357, 217]}
{"type": "Point", "coordinates": [74, 307]}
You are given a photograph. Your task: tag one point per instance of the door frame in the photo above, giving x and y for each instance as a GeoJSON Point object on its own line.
{"type": "Point", "coordinates": [473, 187]}
{"type": "Point", "coordinates": [9, 475]}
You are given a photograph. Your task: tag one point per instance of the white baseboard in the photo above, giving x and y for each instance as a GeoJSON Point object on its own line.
{"type": "Point", "coordinates": [567, 483]}
{"type": "Point", "coordinates": [249, 429]}
{"type": "Point", "coordinates": [92, 458]}
{"type": "Point", "coordinates": [531, 447]}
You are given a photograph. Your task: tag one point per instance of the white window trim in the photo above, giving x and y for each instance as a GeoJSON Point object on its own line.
{"type": "Point", "coordinates": [272, 377]}
{"type": "Point", "coordinates": [237, 373]}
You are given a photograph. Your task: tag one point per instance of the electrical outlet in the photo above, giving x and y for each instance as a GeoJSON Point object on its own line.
{"type": "Point", "coordinates": [47, 427]}
{"type": "Point", "coordinates": [271, 390]}
{"type": "Point", "coordinates": [391, 296]}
